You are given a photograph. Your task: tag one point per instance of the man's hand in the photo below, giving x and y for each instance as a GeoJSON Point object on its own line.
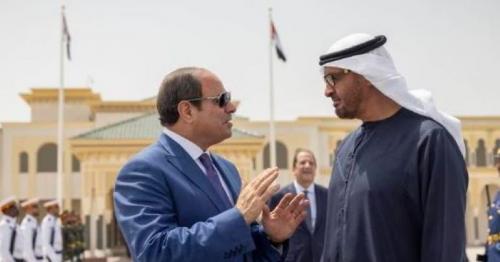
{"type": "Point", "coordinates": [282, 222]}
{"type": "Point", "coordinates": [254, 196]}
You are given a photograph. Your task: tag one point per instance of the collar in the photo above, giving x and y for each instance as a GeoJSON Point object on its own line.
{"type": "Point", "coordinates": [29, 216]}
{"type": "Point", "coordinates": [299, 188]}
{"type": "Point", "coordinates": [10, 220]}
{"type": "Point", "coordinates": [191, 148]}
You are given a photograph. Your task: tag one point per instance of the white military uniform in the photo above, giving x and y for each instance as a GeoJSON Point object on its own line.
{"type": "Point", "coordinates": [10, 240]}
{"type": "Point", "coordinates": [32, 246]}
{"type": "Point", "coordinates": [51, 238]}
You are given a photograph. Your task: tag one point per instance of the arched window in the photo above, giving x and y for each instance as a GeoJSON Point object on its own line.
{"type": "Point", "coordinates": [281, 158]}
{"type": "Point", "coordinates": [480, 153]}
{"type": "Point", "coordinates": [466, 152]}
{"type": "Point", "coordinates": [23, 162]}
{"type": "Point", "coordinates": [497, 146]}
{"type": "Point", "coordinates": [75, 164]}
{"type": "Point", "coordinates": [496, 152]}
{"type": "Point", "coordinates": [46, 158]}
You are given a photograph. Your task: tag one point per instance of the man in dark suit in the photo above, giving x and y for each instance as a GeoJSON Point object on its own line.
{"type": "Point", "coordinates": [306, 244]}
{"type": "Point", "coordinates": [176, 201]}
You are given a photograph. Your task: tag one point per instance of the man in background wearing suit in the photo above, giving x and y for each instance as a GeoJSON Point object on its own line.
{"type": "Point", "coordinates": [176, 201]}
{"type": "Point", "coordinates": [306, 244]}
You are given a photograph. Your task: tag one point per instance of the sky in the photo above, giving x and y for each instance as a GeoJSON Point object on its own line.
{"type": "Point", "coordinates": [124, 48]}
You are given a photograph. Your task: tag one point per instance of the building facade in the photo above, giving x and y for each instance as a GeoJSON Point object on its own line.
{"type": "Point", "coordinates": [102, 135]}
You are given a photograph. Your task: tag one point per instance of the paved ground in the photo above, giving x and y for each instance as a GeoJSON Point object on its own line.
{"type": "Point", "coordinates": [473, 251]}
{"type": "Point", "coordinates": [471, 254]}
{"type": "Point", "coordinates": [118, 259]}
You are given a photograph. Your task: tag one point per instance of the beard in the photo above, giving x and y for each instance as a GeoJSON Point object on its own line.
{"type": "Point", "coordinates": [351, 102]}
{"type": "Point", "coordinates": [344, 113]}
{"type": "Point", "coordinates": [352, 97]}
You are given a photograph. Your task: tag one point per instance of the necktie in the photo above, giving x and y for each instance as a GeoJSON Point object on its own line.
{"type": "Point", "coordinates": [33, 239]}
{"type": "Point", "coordinates": [309, 214]}
{"type": "Point", "coordinates": [214, 179]}
{"type": "Point", "coordinates": [12, 241]}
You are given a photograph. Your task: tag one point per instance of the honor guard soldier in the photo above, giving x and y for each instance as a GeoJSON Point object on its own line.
{"type": "Point", "coordinates": [492, 250]}
{"type": "Point", "coordinates": [493, 242]}
{"type": "Point", "coordinates": [10, 241]}
{"type": "Point", "coordinates": [29, 229]}
{"type": "Point", "coordinates": [51, 233]}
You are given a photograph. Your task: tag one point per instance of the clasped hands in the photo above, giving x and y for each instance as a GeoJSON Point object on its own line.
{"type": "Point", "coordinates": [280, 223]}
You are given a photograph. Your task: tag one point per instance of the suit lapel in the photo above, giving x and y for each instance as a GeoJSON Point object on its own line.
{"type": "Point", "coordinates": [181, 160]}
{"type": "Point", "coordinates": [320, 212]}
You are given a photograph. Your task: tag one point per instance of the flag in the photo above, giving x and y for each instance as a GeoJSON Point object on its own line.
{"type": "Point", "coordinates": [277, 44]}
{"type": "Point", "coordinates": [66, 35]}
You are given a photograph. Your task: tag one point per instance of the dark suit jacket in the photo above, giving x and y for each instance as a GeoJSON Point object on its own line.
{"type": "Point", "coordinates": [305, 246]}
{"type": "Point", "coordinates": [168, 210]}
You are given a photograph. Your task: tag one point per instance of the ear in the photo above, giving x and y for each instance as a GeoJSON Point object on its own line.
{"type": "Point", "coordinates": [186, 112]}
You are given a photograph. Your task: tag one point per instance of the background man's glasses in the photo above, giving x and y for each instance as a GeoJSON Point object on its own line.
{"type": "Point", "coordinates": [221, 100]}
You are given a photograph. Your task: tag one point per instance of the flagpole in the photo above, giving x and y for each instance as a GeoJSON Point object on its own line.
{"type": "Point", "coordinates": [60, 118]}
{"type": "Point", "coordinates": [272, 132]}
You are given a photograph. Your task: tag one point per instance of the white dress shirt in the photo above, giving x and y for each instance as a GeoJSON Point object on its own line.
{"type": "Point", "coordinates": [7, 227]}
{"type": "Point", "coordinates": [52, 250]}
{"type": "Point", "coordinates": [311, 196]}
{"type": "Point", "coordinates": [195, 152]}
{"type": "Point", "coordinates": [28, 228]}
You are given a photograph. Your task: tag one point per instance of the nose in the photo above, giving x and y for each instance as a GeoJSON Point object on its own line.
{"type": "Point", "coordinates": [230, 108]}
{"type": "Point", "coordinates": [329, 90]}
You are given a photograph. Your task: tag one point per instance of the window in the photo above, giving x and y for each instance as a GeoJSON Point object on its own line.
{"type": "Point", "coordinates": [47, 158]}
{"type": "Point", "coordinates": [23, 162]}
{"type": "Point", "coordinates": [480, 153]}
{"type": "Point", "coordinates": [281, 158]}
{"type": "Point", "coordinates": [75, 164]}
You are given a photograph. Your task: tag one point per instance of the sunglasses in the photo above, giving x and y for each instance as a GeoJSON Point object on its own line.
{"type": "Point", "coordinates": [221, 100]}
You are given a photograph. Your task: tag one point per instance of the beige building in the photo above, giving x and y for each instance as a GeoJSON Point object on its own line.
{"type": "Point", "coordinates": [102, 135]}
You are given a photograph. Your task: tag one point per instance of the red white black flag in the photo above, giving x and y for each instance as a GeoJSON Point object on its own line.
{"type": "Point", "coordinates": [277, 44]}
